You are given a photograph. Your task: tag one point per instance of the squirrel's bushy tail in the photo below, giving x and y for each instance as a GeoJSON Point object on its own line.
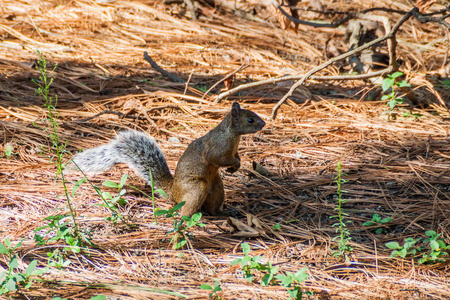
{"type": "Point", "coordinates": [136, 149]}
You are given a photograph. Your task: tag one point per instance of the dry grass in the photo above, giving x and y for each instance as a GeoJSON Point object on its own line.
{"type": "Point", "coordinates": [398, 169]}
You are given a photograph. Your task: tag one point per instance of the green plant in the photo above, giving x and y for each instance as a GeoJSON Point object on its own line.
{"type": "Point", "coordinates": [152, 194]}
{"type": "Point", "coordinates": [11, 279]}
{"type": "Point", "coordinates": [215, 289]}
{"type": "Point", "coordinates": [393, 100]}
{"type": "Point", "coordinates": [248, 263]}
{"type": "Point", "coordinates": [444, 83]}
{"type": "Point", "coordinates": [57, 230]}
{"type": "Point", "coordinates": [109, 201]}
{"type": "Point", "coordinates": [344, 236]}
{"type": "Point", "coordinates": [8, 151]}
{"type": "Point", "coordinates": [276, 226]}
{"type": "Point", "coordinates": [291, 282]}
{"type": "Point", "coordinates": [438, 248]}
{"type": "Point", "coordinates": [377, 221]}
{"type": "Point", "coordinates": [202, 88]}
{"type": "Point", "coordinates": [432, 249]}
{"type": "Point", "coordinates": [180, 225]}
{"type": "Point", "coordinates": [251, 264]}
{"type": "Point", "coordinates": [408, 248]}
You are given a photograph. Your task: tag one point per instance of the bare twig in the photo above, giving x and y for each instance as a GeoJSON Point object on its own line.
{"type": "Point", "coordinates": [313, 24]}
{"type": "Point", "coordinates": [187, 83]}
{"type": "Point", "coordinates": [242, 67]}
{"type": "Point", "coordinates": [337, 12]}
{"type": "Point", "coordinates": [428, 18]}
{"type": "Point", "coordinates": [392, 63]}
{"type": "Point", "coordinates": [447, 46]}
{"type": "Point", "coordinates": [106, 111]}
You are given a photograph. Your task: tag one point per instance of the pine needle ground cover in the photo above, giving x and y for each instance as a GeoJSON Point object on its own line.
{"type": "Point", "coordinates": [377, 227]}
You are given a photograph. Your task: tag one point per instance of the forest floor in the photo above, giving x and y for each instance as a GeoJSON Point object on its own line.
{"type": "Point", "coordinates": [392, 166]}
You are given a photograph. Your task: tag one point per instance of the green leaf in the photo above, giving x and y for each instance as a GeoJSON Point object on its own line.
{"type": "Point", "coordinates": [206, 287]}
{"type": "Point", "coordinates": [160, 212]}
{"type": "Point", "coordinates": [256, 258]}
{"type": "Point", "coordinates": [249, 278]}
{"type": "Point", "coordinates": [286, 281]}
{"type": "Point", "coordinates": [123, 180]}
{"type": "Point", "coordinates": [180, 244]}
{"type": "Point", "coordinates": [110, 184]}
{"type": "Point", "coordinates": [301, 275]}
{"type": "Point", "coordinates": [122, 192]}
{"type": "Point", "coordinates": [395, 75]}
{"type": "Point", "coordinates": [245, 248]}
{"type": "Point", "coordinates": [98, 297]}
{"type": "Point", "coordinates": [107, 195]}
{"type": "Point", "coordinates": [392, 103]}
{"type": "Point", "coordinates": [178, 206]}
{"type": "Point", "coordinates": [402, 253]}
{"type": "Point", "coordinates": [236, 261]}
{"type": "Point", "coordinates": [387, 83]}
{"type": "Point", "coordinates": [77, 185]}
{"type": "Point", "coordinates": [392, 245]}
{"type": "Point", "coordinates": [266, 279]}
{"type": "Point", "coordinates": [8, 150]}
{"type": "Point", "coordinates": [10, 285]}
{"type": "Point", "coordinates": [403, 83]}
{"type": "Point", "coordinates": [293, 293]}
{"type": "Point", "coordinates": [3, 249]}
{"type": "Point", "coordinates": [31, 267]}
{"type": "Point", "coordinates": [8, 242]}
{"type": "Point", "coordinates": [385, 220]}
{"type": "Point", "coordinates": [440, 242]}
{"type": "Point", "coordinates": [245, 260]}
{"type": "Point", "coordinates": [368, 223]}
{"type": "Point", "coordinates": [434, 245]}
{"type": "Point", "coordinates": [430, 233]}
{"type": "Point", "coordinates": [161, 192]}
{"type": "Point", "coordinates": [13, 264]}
{"type": "Point", "coordinates": [196, 217]}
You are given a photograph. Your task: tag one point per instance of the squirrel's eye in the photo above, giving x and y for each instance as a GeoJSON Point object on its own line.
{"type": "Point", "coordinates": [250, 120]}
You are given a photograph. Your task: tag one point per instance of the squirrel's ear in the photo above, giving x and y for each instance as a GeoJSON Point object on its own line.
{"type": "Point", "coordinates": [235, 113]}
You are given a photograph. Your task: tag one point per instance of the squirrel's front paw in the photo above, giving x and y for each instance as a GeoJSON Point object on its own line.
{"type": "Point", "coordinates": [232, 169]}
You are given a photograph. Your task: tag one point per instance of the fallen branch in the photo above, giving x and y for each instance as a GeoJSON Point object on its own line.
{"type": "Point", "coordinates": [392, 65]}
{"type": "Point", "coordinates": [163, 72]}
{"type": "Point", "coordinates": [392, 61]}
{"type": "Point", "coordinates": [313, 24]}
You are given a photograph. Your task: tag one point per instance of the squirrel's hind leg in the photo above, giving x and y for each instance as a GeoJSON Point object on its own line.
{"type": "Point", "coordinates": [214, 200]}
{"type": "Point", "coordinates": [194, 193]}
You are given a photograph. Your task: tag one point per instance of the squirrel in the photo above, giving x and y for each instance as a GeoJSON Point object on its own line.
{"type": "Point", "coordinates": [196, 180]}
